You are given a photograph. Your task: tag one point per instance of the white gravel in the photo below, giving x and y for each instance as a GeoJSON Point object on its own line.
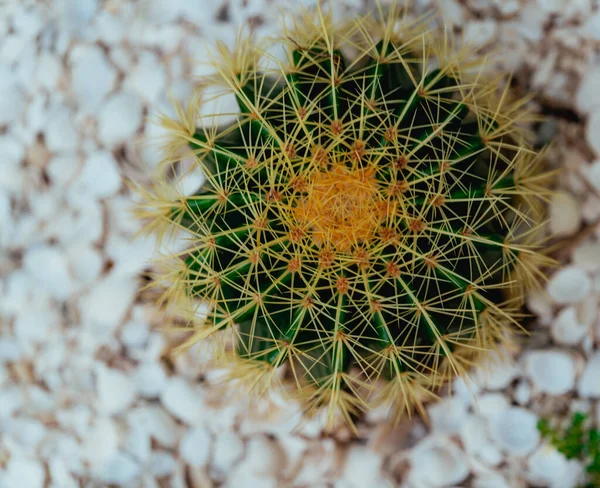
{"type": "Point", "coordinates": [86, 398]}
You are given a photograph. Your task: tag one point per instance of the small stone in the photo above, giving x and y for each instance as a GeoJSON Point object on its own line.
{"type": "Point", "coordinates": [195, 447]}
{"type": "Point", "coordinates": [589, 385]}
{"type": "Point", "coordinates": [490, 405]}
{"type": "Point", "coordinates": [264, 457]}
{"type": "Point", "coordinates": [497, 371]}
{"type": "Point", "coordinates": [77, 15]}
{"type": "Point", "coordinates": [515, 430]}
{"type": "Point", "coordinates": [9, 350]}
{"type": "Point", "coordinates": [158, 423]}
{"type": "Point", "coordinates": [60, 132]}
{"type": "Point", "coordinates": [569, 285]}
{"type": "Point", "coordinates": [437, 462]}
{"type": "Point", "coordinates": [86, 264]}
{"type": "Point", "coordinates": [552, 372]}
{"type": "Point", "coordinates": [490, 480]}
{"type": "Point", "coordinates": [228, 448]}
{"type": "Point", "coordinates": [116, 391]}
{"type": "Point", "coordinates": [62, 168]}
{"type": "Point", "coordinates": [48, 70]}
{"type": "Point", "coordinates": [134, 334]}
{"type": "Point", "coordinates": [100, 175]}
{"type": "Point", "coordinates": [120, 470]}
{"type": "Point", "coordinates": [110, 28]}
{"type": "Point", "coordinates": [48, 267]}
{"type": "Point", "coordinates": [183, 401]}
{"type": "Point", "coordinates": [587, 94]}
{"type": "Point", "coordinates": [148, 78]}
{"type": "Point", "coordinates": [522, 393]}
{"type": "Point", "coordinates": [480, 32]}
{"type": "Point", "coordinates": [12, 98]}
{"type": "Point", "coordinates": [119, 118]}
{"type": "Point", "coordinates": [116, 290]}
{"type": "Point", "coordinates": [27, 432]}
{"type": "Point", "coordinates": [567, 329]}
{"type": "Point", "coordinates": [565, 214]}
{"type": "Point", "coordinates": [101, 443]}
{"type": "Point", "coordinates": [93, 77]}
{"type": "Point", "coordinates": [547, 467]}
{"type": "Point", "coordinates": [539, 302]}
{"type": "Point", "coordinates": [162, 463]}
{"type": "Point", "coordinates": [150, 380]}
{"type": "Point", "coordinates": [587, 256]}
{"type": "Point", "coordinates": [447, 415]}
{"type": "Point", "coordinates": [24, 473]}
{"type": "Point", "coordinates": [362, 467]}
{"type": "Point", "coordinates": [593, 131]}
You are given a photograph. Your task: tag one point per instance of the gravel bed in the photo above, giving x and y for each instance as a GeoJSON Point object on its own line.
{"type": "Point", "coordinates": [90, 395]}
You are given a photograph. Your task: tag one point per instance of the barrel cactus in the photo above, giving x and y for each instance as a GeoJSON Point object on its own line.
{"type": "Point", "coordinates": [369, 220]}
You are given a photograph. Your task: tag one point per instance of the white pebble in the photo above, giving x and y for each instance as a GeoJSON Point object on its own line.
{"type": "Point", "coordinates": [134, 334]}
{"type": "Point", "coordinates": [522, 393]}
{"type": "Point", "coordinates": [162, 463]}
{"type": "Point", "coordinates": [62, 168]}
{"type": "Point", "coordinates": [101, 443]}
{"type": "Point", "coordinates": [548, 467]}
{"type": "Point", "coordinates": [515, 430]}
{"type": "Point", "coordinates": [121, 469]}
{"type": "Point", "coordinates": [228, 448]}
{"type": "Point", "coordinates": [119, 118]}
{"type": "Point", "coordinates": [479, 33]}
{"type": "Point", "coordinates": [47, 266]}
{"type": "Point", "coordinates": [27, 432]}
{"type": "Point", "coordinates": [24, 473]}
{"type": "Point", "coordinates": [497, 371]}
{"type": "Point", "coordinates": [569, 285]}
{"type": "Point", "coordinates": [565, 214]}
{"type": "Point", "coordinates": [9, 350]}
{"type": "Point", "coordinates": [490, 480]}
{"type": "Point", "coordinates": [150, 380]}
{"type": "Point", "coordinates": [184, 401]}
{"type": "Point", "coordinates": [158, 423]}
{"type": "Point", "coordinates": [48, 70]}
{"type": "Point", "coordinates": [362, 467]}
{"type": "Point", "coordinates": [587, 256]}
{"type": "Point", "coordinates": [60, 132]}
{"type": "Point", "coordinates": [587, 93]}
{"type": "Point", "coordinates": [437, 462]}
{"type": "Point", "coordinates": [148, 78]}
{"type": "Point", "coordinates": [552, 372]}
{"type": "Point", "coordinates": [593, 131]}
{"type": "Point", "coordinates": [116, 290]}
{"type": "Point", "coordinates": [110, 28]}
{"type": "Point", "coordinates": [93, 77]}
{"type": "Point", "coordinates": [567, 329]}
{"type": "Point", "coordinates": [489, 405]}
{"type": "Point", "coordinates": [86, 264]}
{"type": "Point", "coordinates": [116, 391]}
{"type": "Point", "coordinates": [11, 96]}
{"type": "Point", "coordinates": [589, 382]}
{"type": "Point", "coordinates": [100, 176]}
{"type": "Point", "coordinates": [195, 447]}
{"type": "Point", "coordinates": [447, 415]}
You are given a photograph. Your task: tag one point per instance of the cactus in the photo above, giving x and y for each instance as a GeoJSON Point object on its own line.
{"type": "Point", "coordinates": [369, 222]}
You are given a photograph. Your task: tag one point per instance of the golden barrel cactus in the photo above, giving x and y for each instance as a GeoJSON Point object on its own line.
{"type": "Point", "coordinates": [369, 221]}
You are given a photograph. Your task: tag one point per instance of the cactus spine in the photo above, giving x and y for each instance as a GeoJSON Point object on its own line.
{"type": "Point", "coordinates": [368, 219]}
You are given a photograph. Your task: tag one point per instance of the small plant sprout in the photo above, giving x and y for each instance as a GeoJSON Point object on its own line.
{"type": "Point", "coordinates": [370, 218]}
{"type": "Point", "coordinates": [577, 441]}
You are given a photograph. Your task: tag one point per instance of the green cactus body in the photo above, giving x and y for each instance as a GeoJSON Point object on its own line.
{"type": "Point", "coordinates": [362, 221]}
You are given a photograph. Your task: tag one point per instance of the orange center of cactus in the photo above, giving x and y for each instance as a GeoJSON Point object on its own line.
{"type": "Point", "coordinates": [341, 206]}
